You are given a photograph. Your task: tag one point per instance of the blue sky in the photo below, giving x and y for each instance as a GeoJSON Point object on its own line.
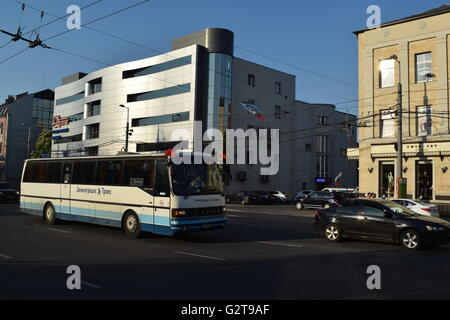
{"type": "Point", "coordinates": [315, 35]}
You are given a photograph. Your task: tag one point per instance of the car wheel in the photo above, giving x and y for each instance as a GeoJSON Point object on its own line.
{"type": "Point", "coordinates": [332, 232]}
{"type": "Point", "coordinates": [49, 214]}
{"type": "Point", "coordinates": [131, 225]}
{"type": "Point", "coordinates": [411, 239]}
{"type": "Point", "coordinates": [299, 205]}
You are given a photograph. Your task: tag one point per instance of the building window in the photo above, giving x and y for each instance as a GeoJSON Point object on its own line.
{"type": "Point", "coordinates": [424, 123]}
{"type": "Point", "coordinates": [251, 80]}
{"type": "Point", "coordinates": [161, 93]}
{"type": "Point", "coordinates": [423, 66]}
{"type": "Point", "coordinates": [72, 98]}
{"type": "Point", "coordinates": [95, 86]}
{"type": "Point", "coordinates": [387, 73]}
{"type": "Point", "coordinates": [308, 147]}
{"type": "Point", "coordinates": [43, 113]}
{"type": "Point", "coordinates": [93, 131]}
{"type": "Point", "coordinates": [277, 112]}
{"type": "Point", "coordinates": [323, 144]}
{"type": "Point", "coordinates": [278, 87]}
{"type": "Point", "coordinates": [93, 108]}
{"type": "Point", "coordinates": [157, 68]}
{"type": "Point", "coordinates": [387, 123]}
{"type": "Point", "coordinates": [156, 146]}
{"type": "Point", "coordinates": [322, 165]}
{"type": "Point", "coordinates": [323, 119]}
{"type": "Point", "coordinates": [167, 118]}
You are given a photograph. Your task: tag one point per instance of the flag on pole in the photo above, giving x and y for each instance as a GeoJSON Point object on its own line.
{"type": "Point", "coordinates": [253, 109]}
{"type": "Point", "coordinates": [337, 180]}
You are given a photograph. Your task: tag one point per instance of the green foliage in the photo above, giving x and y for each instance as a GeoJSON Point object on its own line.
{"type": "Point", "coordinates": [43, 144]}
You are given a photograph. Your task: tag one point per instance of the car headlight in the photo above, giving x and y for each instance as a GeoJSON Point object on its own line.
{"type": "Point", "coordinates": [433, 228]}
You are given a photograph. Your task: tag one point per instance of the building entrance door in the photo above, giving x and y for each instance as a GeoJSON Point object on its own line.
{"type": "Point", "coordinates": [387, 180]}
{"type": "Point", "coordinates": [424, 180]}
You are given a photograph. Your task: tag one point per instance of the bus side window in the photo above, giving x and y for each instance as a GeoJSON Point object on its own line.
{"type": "Point", "coordinates": [29, 172]}
{"type": "Point", "coordinates": [139, 173]}
{"type": "Point", "coordinates": [162, 186]}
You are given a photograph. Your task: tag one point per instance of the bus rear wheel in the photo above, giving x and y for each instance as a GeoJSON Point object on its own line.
{"type": "Point", "coordinates": [49, 214]}
{"type": "Point", "coordinates": [131, 225]}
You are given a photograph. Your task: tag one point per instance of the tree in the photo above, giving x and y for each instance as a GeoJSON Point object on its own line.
{"type": "Point", "coordinates": [43, 144]}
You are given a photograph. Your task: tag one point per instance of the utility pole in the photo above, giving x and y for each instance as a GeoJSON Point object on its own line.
{"type": "Point", "coordinates": [399, 162]}
{"type": "Point", "coordinates": [28, 141]}
{"type": "Point", "coordinates": [128, 132]}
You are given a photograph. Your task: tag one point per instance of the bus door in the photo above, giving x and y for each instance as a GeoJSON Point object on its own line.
{"type": "Point", "coordinates": [65, 188]}
{"type": "Point", "coordinates": [161, 201]}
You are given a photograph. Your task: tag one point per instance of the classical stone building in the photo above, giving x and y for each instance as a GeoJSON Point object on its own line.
{"type": "Point", "coordinates": [415, 51]}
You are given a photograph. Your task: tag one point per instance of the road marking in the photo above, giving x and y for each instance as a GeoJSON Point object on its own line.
{"type": "Point", "coordinates": [281, 244]}
{"type": "Point", "coordinates": [4, 256]}
{"type": "Point", "coordinates": [57, 230]}
{"type": "Point", "coordinates": [199, 255]}
{"type": "Point", "coordinates": [234, 216]}
{"type": "Point", "coordinates": [90, 285]}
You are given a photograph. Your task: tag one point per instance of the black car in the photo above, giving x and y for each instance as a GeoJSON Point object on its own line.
{"type": "Point", "coordinates": [381, 220]}
{"type": "Point", "coordinates": [243, 197]}
{"type": "Point", "coordinates": [319, 199]}
{"type": "Point", "coordinates": [8, 193]}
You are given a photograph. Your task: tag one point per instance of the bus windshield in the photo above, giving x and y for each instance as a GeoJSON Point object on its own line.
{"type": "Point", "coordinates": [195, 179]}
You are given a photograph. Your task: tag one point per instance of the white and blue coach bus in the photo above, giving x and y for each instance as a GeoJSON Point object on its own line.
{"type": "Point", "coordinates": [133, 192]}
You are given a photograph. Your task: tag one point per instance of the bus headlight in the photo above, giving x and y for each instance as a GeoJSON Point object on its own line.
{"type": "Point", "coordinates": [177, 212]}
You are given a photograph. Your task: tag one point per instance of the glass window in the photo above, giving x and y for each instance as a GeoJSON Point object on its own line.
{"type": "Point", "coordinates": [84, 172]}
{"type": "Point", "coordinates": [93, 109]}
{"type": "Point", "coordinates": [109, 173]}
{"type": "Point", "coordinates": [54, 172]}
{"type": "Point", "coordinates": [41, 172]}
{"type": "Point", "coordinates": [372, 211]}
{"type": "Point", "coordinates": [29, 172]}
{"type": "Point", "coordinates": [278, 87]}
{"type": "Point", "coordinates": [162, 186]}
{"type": "Point", "coordinates": [93, 131]}
{"type": "Point", "coordinates": [387, 73]}
{"type": "Point", "coordinates": [167, 118]}
{"type": "Point", "coordinates": [323, 119]}
{"type": "Point", "coordinates": [251, 80]}
{"type": "Point", "coordinates": [72, 98]}
{"type": "Point", "coordinates": [139, 173]}
{"type": "Point", "coordinates": [387, 123]}
{"type": "Point", "coordinates": [423, 66]}
{"type": "Point", "coordinates": [424, 124]}
{"type": "Point", "coordinates": [157, 67]}
{"type": "Point", "coordinates": [161, 93]}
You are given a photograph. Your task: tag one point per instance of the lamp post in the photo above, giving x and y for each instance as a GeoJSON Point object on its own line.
{"type": "Point", "coordinates": [399, 163]}
{"type": "Point", "coordinates": [128, 126]}
{"type": "Point", "coordinates": [429, 77]}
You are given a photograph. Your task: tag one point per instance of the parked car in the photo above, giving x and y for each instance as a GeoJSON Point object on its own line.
{"type": "Point", "coordinates": [381, 220]}
{"type": "Point", "coordinates": [424, 209]}
{"type": "Point", "coordinates": [347, 192]}
{"type": "Point", "coordinates": [281, 196]}
{"type": "Point", "coordinates": [243, 197]}
{"type": "Point", "coordinates": [265, 197]}
{"type": "Point", "coordinates": [320, 199]}
{"type": "Point", "coordinates": [302, 194]}
{"type": "Point", "coordinates": [8, 193]}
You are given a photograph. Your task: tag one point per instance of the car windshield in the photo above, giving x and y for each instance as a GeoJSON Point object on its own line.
{"type": "Point", "coordinates": [194, 179]}
{"type": "Point", "coordinates": [394, 206]}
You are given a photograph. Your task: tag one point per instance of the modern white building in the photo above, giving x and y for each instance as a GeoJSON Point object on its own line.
{"type": "Point", "coordinates": [200, 80]}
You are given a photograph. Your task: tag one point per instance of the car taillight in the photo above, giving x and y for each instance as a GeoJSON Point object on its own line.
{"type": "Point", "coordinates": [426, 209]}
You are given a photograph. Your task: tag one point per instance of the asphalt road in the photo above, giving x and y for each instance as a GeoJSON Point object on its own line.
{"type": "Point", "coordinates": [263, 253]}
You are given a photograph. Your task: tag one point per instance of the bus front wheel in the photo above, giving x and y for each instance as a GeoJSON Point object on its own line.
{"type": "Point", "coordinates": [131, 225]}
{"type": "Point", "coordinates": [49, 214]}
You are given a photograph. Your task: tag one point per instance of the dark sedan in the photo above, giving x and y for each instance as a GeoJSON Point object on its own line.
{"type": "Point", "coordinates": [8, 193]}
{"type": "Point", "coordinates": [381, 220]}
{"type": "Point", "coordinates": [320, 199]}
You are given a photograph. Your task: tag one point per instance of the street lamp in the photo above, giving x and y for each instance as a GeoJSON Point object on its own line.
{"type": "Point", "coordinates": [399, 164]}
{"type": "Point", "coordinates": [429, 77]}
{"type": "Point", "coordinates": [127, 128]}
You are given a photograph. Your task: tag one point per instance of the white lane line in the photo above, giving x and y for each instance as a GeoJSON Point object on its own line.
{"type": "Point", "coordinates": [234, 216]}
{"type": "Point", "coordinates": [199, 255]}
{"type": "Point", "coordinates": [57, 230]}
{"type": "Point", "coordinates": [88, 284]}
{"type": "Point", "coordinates": [280, 244]}
{"type": "Point", "coordinates": [4, 256]}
